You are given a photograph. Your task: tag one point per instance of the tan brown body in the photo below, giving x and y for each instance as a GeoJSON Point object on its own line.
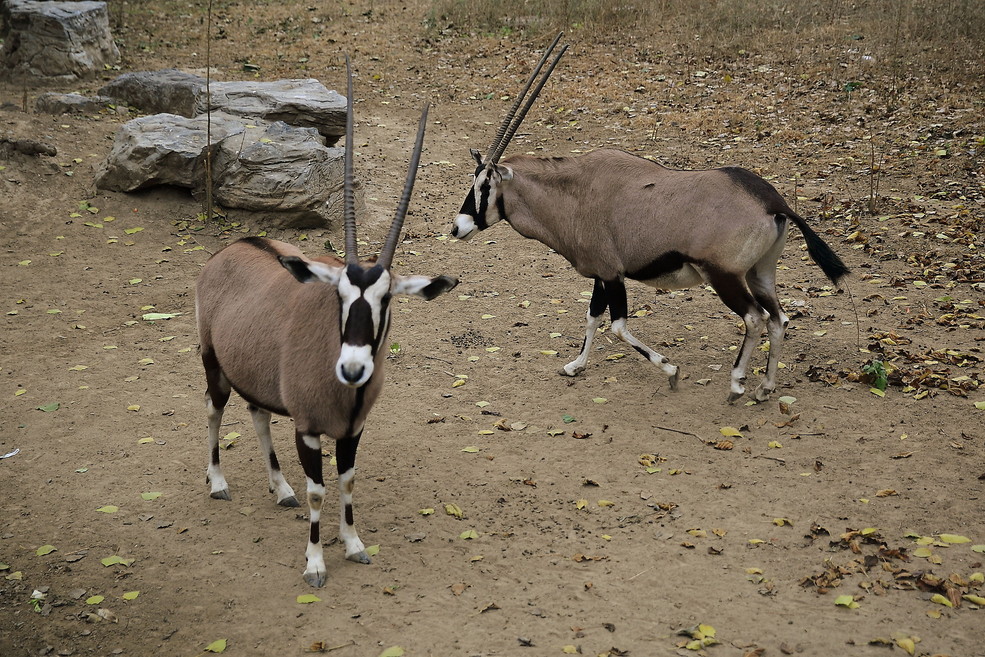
{"type": "Point", "coordinates": [277, 339]}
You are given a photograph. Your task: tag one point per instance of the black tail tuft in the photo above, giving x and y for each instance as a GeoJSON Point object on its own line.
{"type": "Point", "coordinates": [820, 252]}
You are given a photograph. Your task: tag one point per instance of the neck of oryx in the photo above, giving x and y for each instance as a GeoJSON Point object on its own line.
{"type": "Point", "coordinates": [539, 208]}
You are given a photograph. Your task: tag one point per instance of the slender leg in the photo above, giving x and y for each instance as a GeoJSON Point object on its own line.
{"type": "Point", "coordinates": [733, 292]}
{"type": "Point", "coordinates": [278, 485]}
{"type": "Point", "coordinates": [619, 311]}
{"type": "Point", "coordinates": [764, 290]}
{"type": "Point", "coordinates": [345, 457]}
{"type": "Point", "coordinates": [595, 311]}
{"type": "Point", "coordinates": [309, 451]}
{"type": "Point", "coordinates": [216, 396]}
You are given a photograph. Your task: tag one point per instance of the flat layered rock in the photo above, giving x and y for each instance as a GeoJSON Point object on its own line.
{"type": "Point", "coordinates": [302, 103]}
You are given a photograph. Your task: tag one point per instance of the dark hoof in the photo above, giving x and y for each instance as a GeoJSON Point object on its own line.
{"type": "Point", "coordinates": [316, 579]}
{"type": "Point", "coordinates": [735, 396]}
{"type": "Point", "coordinates": [221, 495]}
{"type": "Point", "coordinates": [673, 380]}
{"type": "Point", "coordinates": [289, 501]}
{"type": "Point", "coordinates": [360, 557]}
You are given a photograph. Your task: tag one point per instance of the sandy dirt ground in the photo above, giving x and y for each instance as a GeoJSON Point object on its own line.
{"type": "Point", "coordinates": [600, 515]}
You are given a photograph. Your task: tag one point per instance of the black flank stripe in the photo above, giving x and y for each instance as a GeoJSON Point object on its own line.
{"type": "Point", "coordinates": [665, 263]}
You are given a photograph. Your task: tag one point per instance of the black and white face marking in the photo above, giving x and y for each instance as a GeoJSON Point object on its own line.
{"type": "Point", "coordinates": [484, 205]}
{"type": "Point", "coordinates": [364, 297]}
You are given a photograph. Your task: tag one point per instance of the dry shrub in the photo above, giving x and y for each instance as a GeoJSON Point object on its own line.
{"type": "Point", "coordinates": [939, 36]}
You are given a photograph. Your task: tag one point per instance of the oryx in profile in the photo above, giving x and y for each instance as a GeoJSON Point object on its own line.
{"type": "Point", "coordinates": [304, 337]}
{"type": "Point", "coordinates": [614, 216]}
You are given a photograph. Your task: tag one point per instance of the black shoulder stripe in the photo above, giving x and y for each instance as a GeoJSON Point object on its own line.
{"type": "Point", "coordinates": [260, 243]}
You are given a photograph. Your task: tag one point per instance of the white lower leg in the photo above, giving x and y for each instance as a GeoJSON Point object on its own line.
{"type": "Point", "coordinates": [776, 330]}
{"type": "Point", "coordinates": [622, 332]}
{"type": "Point", "coordinates": [754, 329]}
{"type": "Point", "coordinates": [278, 484]}
{"type": "Point", "coordinates": [577, 366]}
{"type": "Point", "coordinates": [213, 475]}
{"type": "Point", "coordinates": [315, 573]}
{"type": "Point", "coordinates": [354, 548]}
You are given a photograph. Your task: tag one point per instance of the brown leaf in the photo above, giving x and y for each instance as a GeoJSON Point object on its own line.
{"type": "Point", "coordinates": [459, 588]}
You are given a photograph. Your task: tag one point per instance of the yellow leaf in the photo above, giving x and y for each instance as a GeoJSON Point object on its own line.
{"type": "Point", "coordinates": [131, 595]}
{"type": "Point", "coordinates": [774, 444]}
{"type": "Point", "coordinates": [730, 432]}
{"type": "Point", "coordinates": [454, 510]}
{"type": "Point", "coordinates": [780, 522]}
{"type": "Point", "coordinates": [846, 601]}
{"type": "Point", "coordinates": [941, 600]}
{"type": "Point", "coordinates": [581, 504]}
{"type": "Point", "coordinates": [426, 512]}
{"type": "Point", "coordinates": [907, 644]}
{"type": "Point", "coordinates": [458, 383]}
{"type": "Point", "coordinates": [954, 538]}
{"type": "Point", "coordinates": [219, 645]}
{"type": "Point", "coordinates": [95, 599]}
{"type": "Point", "coordinates": [569, 650]}
{"type": "Point", "coordinates": [606, 503]}
{"type": "Point", "coordinates": [133, 407]}
{"type": "Point", "coordinates": [976, 599]}
{"type": "Point", "coordinates": [548, 352]}
{"type": "Point", "coordinates": [977, 578]}
{"type": "Point", "coordinates": [922, 552]}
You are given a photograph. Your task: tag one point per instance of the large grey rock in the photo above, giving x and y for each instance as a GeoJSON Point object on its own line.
{"type": "Point", "coordinates": [169, 91]}
{"type": "Point", "coordinates": [162, 149]}
{"type": "Point", "coordinates": [55, 103]}
{"type": "Point", "coordinates": [282, 172]}
{"type": "Point", "coordinates": [67, 40]}
{"type": "Point", "coordinates": [303, 103]}
{"type": "Point", "coordinates": [276, 173]}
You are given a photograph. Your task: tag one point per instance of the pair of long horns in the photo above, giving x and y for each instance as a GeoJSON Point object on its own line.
{"type": "Point", "coordinates": [512, 121]}
{"type": "Point", "coordinates": [349, 212]}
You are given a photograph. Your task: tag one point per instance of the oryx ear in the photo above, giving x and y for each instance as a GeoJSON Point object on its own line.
{"type": "Point", "coordinates": [505, 173]}
{"type": "Point", "coordinates": [422, 286]}
{"type": "Point", "coordinates": [307, 271]}
{"type": "Point", "coordinates": [476, 155]}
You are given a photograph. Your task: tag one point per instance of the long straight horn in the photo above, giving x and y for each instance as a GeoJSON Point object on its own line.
{"type": "Point", "coordinates": [516, 104]}
{"type": "Point", "coordinates": [526, 108]}
{"type": "Point", "coordinates": [349, 211]}
{"type": "Point", "coordinates": [390, 246]}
